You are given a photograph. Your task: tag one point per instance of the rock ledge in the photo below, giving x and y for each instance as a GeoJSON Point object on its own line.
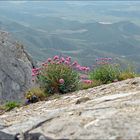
{"type": "Point", "coordinates": [106, 112]}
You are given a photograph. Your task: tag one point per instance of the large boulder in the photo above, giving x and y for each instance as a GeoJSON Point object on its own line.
{"type": "Point", "coordinates": [15, 69]}
{"type": "Point", "coordinates": [105, 112]}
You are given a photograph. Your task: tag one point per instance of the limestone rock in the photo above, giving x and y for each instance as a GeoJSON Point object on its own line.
{"type": "Point", "coordinates": [15, 69]}
{"type": "Point", "coordinates": [112, 113]}
{"type": "Point", "coordinates": [5, 136]}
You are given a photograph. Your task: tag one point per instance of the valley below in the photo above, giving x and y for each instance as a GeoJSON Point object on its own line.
{"type": "Point", "coordinates": [62, 28]}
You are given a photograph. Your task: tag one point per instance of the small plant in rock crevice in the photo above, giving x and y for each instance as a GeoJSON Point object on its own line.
{"type": "Point", "coordinates": [35, 94]}
{"type": "Point", "coordinates": [11, 105]}
{"type": "Point", "coordinates": [127, 73]}
{"type": "Point", "coordinates": [105, 71]}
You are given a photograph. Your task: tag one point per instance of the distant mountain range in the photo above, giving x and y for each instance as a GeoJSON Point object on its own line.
{"type": "Point", "coordinates": [46, 33]}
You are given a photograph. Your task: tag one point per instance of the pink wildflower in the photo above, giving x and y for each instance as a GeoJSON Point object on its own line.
{"type": "Point", "coordinates": [52, 62]}
{"type": "Point", "coordinates": [49, 59]}
{"type": "Point", "coordinates": [59, 62]}
{"type": "Point", "coordinates": [37, 69]}
{"type": "Point", "coordinates": [56, 57]}
{"type": "Point", "coordinates": [87, 81]}
{"type": "Point", "coordinates": [87, 69]}
{"type": "Point", "coordinates": [61, 81]}
{"type": "Point", "coordinates": [67, 62]}
{"type": "Point", "coordinates": [78, 67]}
{"type": "Point", "coordinates": [33, 70]}
{"type": "Point", "coordinates": [62, 59]}
{"type": "Point", "coordinates": [74, 63]}
{"type": "Point", "coordinates": [83, 68]}
{"type": "Point", "coordinates": [33, 74]}
{"type": "Point", "coordinates": [68, 59]}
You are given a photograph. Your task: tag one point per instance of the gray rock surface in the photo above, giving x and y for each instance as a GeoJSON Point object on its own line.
{"type": "Point", "coordinates": [106, 112]}
{"type": "Point", "coordinates": [15, 69]}
{"type": "Point", "coordinates": [5, 136]}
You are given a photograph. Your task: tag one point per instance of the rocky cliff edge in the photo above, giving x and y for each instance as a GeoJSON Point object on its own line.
{"type": "Point", "coordinates": [15, 69]}
{"type": "Point", "coordinates": [106, 112]}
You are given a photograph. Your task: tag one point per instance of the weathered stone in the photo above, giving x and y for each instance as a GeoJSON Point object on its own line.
{"type": "Point", "coordinates": [5, 136]}
{"type": "Point", "coordinates": [15, 69]}
{"type": "Point", "coordinates": [82, 100]}
{"type": "Point", "coordinates": [112, 113]}
{"type": "Point", "coordinates": [2, 125]}
{"type": "Point", "coordinates": [32, 136]}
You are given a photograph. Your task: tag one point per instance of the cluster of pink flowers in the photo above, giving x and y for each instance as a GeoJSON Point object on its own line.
{"type": "Point", "coordinates": [63, 60]}
{"type": "Point", "coordinates": [87, 81]}
{"type": "Point", "coordinates": [102, 61]}
{"type": "Point", "coordinates": [83, 70]}
{"type": "Point", "coordinates": [35, 71]}
{"type": "Point", "coordinates": [86, 69]}
{"type": "Point", "coordinates": [61, 81]}
{"type": "Point", "coordinates": [84, 79]}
